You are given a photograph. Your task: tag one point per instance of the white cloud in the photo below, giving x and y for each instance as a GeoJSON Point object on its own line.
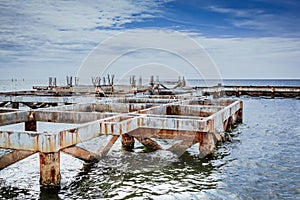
{"type": "Point", "coordinates": [270, 57]}
{"type": "Point", "coordinates": [262, 19]}
{"type": "Point", "coordinates": [237, 12]}
{"type": "Point", "coordinates": [52, 38]}
{"type": "Point", "coordinates": [62, 31]}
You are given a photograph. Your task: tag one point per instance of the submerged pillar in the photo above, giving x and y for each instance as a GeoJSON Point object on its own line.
{"type": "Point", "coordinates": [127, 142]}
{"type": "Point", "coordinates": [228, 124]}
{"type": "Point", "coordinates": [15, 105]}
{"type": "Point", "coordinates": [239, 116]}
{"type": "Point", "coordinates": [207, 144]}
{"type": "Point", "coordinates": [50, 169]}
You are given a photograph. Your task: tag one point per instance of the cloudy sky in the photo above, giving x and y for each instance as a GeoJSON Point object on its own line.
{"type": "Point", "coordinates": [245, 39]}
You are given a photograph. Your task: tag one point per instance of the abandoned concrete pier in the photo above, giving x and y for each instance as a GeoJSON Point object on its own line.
{"type": "Point", "coordinates": [182, 114]}
{"type": "Point", "coordinates": [255, 91]}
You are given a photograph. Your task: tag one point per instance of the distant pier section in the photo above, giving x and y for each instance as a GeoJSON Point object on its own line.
{"type": "Point", "coordinates": [254, 91]}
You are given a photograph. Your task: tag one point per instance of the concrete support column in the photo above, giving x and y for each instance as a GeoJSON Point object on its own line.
{"type": "Point", "coordinates": [30, 124]}
{"type": "Point", "coordinates": [127, 142]}
{"type": "Point", "coordinates": [239, 116]}
{"type": "Point", "coordinates": [50, 169]}
{"type": "Point", "coordinates": [227, 125]}
{"type": "Point", "coordinates": [207, 144]}
{"type": "Point", "coordinates": [15, 105]}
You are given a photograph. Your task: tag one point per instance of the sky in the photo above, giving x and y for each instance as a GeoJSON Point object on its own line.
{"type": "Point", "coordinates": [244, 39]}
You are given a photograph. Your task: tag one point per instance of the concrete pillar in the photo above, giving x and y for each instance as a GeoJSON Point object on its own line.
{"type": "Point", "coordinates": [30, 124]}
{"type": "Point", "coordinates": [228, 124]}
{"type": "Point", "coordinates": [50, 169]}
{"type": "Point", "coordinates": [127, 142]}
{"type": "Point", "coordinates": [15, 105]}
{"type": "Point", "coordinates": [238, 116]}
{"type": "Point", "coordinates": [207, 144]}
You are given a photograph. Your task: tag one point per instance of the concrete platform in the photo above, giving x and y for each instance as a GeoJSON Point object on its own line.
{"type": "Point", "coordinates": [186, 118]}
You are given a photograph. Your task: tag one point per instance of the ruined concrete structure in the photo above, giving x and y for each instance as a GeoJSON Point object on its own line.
{"type": "Point", "coordinates": [186, 118]}
{"type": "Point", "coordinates": [130, 113]}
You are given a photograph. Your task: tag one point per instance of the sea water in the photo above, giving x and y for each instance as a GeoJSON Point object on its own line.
{"type": "Point", "coordinates": [261, 162]}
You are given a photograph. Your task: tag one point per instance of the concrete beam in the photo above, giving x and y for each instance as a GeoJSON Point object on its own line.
{"type": "Point", "coordinates": [175, 123]}
{"type": "Point", "coordinates": [47, 99]}
{"type": "Point", "coordinates": [30, 141]}
{"type": "Point", "coordinates": [119, 125]}
{"type": "Point", "coordinates": [180, 147]}
{"type": "Point", "coordinates": [122, 107]}
{"type": "Point", "coordinates": [152, 99]}
{"type": "Point", "coordinates": [103, 151]}
{"type": "Point", "coordinates": [191, 110]}
{"type": "Point", "coordinates": [164, 134]}
{"type": "Point", "coordinates": [72, 117]}
{"type": "Point", "coordinates": [7, 118]}
{"type": "Point", "coordinates": [13, 157]}
{"type": "Point", "coordinates": [80, 153]}
{"type": "Point", "coordinates": [149, 143]}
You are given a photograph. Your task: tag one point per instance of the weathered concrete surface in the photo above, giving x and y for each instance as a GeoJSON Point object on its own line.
{"type": "Point", "coordinates": [272, 91]}
{"type": "Point", "coordinates": [207, 144]}
{"type": "Point", "coordinates": [13, 157]}
{"type": "Point", "coordinates": [188, 120]}
{"type": "Point", "coordinates": [80, 153]}
{"type": "Point", "coordinates": [149, 143]}
{"type": "Point", "coordinates": [103, 151]}
{"type": "Point", "coordinates": [30, 123]}
{"type": "Point", "coordinates": [127, 142]}
{"type": "Point", "coordinates": [30, 141]}
{"type": "Point", "coordinates": [50, 169]}
{"type": "Point", "coordinates": [7, 118]}
{"type": "Point", "coordinates": [169, 116]}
